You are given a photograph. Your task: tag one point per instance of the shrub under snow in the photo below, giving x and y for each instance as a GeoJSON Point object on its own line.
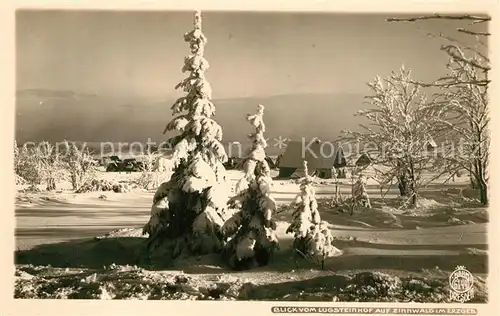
{"type": "Point", "coordinates": [151, 176]}
{"type": "Point", "coordinates": [360, 193]}
{"type": "Point", "coordinates": [38, 164]}
{"type": "Point", "coordinates": [79, 165]}
{"type": "Point", "coordinates": [96, 185]}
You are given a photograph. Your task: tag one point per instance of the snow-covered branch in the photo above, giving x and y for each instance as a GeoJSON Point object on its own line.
{"type": "Point", "coordinates": [474, 18]}
{"type": "Point", "coordinates": [466, 31]}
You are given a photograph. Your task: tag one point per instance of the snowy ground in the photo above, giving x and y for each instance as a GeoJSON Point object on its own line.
{"type": "Point", "coordinates": [58, 255]}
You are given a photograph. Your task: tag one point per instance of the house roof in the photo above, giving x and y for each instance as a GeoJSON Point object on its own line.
{"type": "Point", "coordinates": [430, 144]}
{"type": "Point", "coordinates": [340, 161]}
{"type": "Point", "coordinates": [363, 160]}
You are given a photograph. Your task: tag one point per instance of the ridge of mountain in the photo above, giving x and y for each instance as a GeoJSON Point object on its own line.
{"type": "Point", "coordinates": [55, 115]}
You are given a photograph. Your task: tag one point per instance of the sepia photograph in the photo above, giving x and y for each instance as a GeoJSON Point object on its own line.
{"type": "Point", "coordinates": [253, 156]}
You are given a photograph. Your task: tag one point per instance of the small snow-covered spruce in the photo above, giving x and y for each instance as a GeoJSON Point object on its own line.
{"type": "Point", "coordinates": [251, 232]}
{"type": "Point", "coordinates": [312, 238]}
{"type": "Point", "coordinates": [188, 209]}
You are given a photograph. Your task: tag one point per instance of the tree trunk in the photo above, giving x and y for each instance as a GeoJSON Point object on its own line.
{"type": "Point", "coordinates": [51, 184]}
{"type": "Point", "coordinates": [74, 182]}
{"type": "Point", "coordinates": [473, 183]}
{"type": "Point", "coordinates": [403, 186]}
{"type": "Point", "coordinates": [414, 199]}
{"type": "Point", "coordinates": [481, 183]}
{"type": "Point", "coordinates": [483, 192]}
{"type": "Point", "coordinates": [412, 185]}
{"type": "Point", "coordinates": [402, 179]}
{"type": "Point", "coordinates": [473, 176]}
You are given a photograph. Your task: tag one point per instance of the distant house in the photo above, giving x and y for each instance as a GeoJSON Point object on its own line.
{"type": "Point", "coordinates": [363, 160]}
{"type": "Point", "coordinates": [319, 163]}
{"type": "Point", "coordinates": [270, 162]}
{"type": "Point", "coordinates": [340, 161]}
{"type": "Point", "coordinates": [106, 160]}
{"type": "Point", "coordinates": [431, 145]}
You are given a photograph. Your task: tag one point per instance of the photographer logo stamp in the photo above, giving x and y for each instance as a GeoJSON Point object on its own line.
{"type": "Point", "coordinates": [461, 285]}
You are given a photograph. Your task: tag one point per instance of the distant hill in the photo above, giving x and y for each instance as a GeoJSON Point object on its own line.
{"type": "Point", "coordinates": [56, 115]}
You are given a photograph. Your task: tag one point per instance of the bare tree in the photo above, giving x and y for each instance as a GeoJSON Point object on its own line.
{"type": "Point", "coordinates": [402, 123]}
{"type": "Point", "coordinates": [464, 92]}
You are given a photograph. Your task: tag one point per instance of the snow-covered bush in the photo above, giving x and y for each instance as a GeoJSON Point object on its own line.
{"type": "Point", "coordinates": [27, 166]}
{"type": "Point", "coordinates": [79, 165]}
{"type": "Point", "coordinates": [19, 161]}
{"type": "Point", "coordinates": [51, 164]}
{"type": "Point", "coordinates": [359, 192]}
{"type": "Point", "coordinates": [150, 176]}
{"type": "Point", "coordinates": [251, 231]}
{"type": "Point", "coordinates": [188, 210]}
{"type": "Point", "coordinates": [95, 185]}
{"type": "Point", "coordinates": [38, 164]}
{"type": "Point", "coordinates": [121, 188]}
{"type": "Point", "coordinates": [312, 238]}
{"type": "Point", "coordinates": [102, 185]}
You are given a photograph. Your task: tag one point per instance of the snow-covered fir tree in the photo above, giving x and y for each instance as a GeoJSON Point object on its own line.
{"type": "Point", "coordinates": [312, 238]}
{"type": "Point", "coordinates": [188, 210]}
{"type": "Point", "coordinates": [251, 232]}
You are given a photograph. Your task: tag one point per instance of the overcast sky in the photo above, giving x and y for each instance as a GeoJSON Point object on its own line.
{"type": "Point", "coordinates": [250, 54]}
